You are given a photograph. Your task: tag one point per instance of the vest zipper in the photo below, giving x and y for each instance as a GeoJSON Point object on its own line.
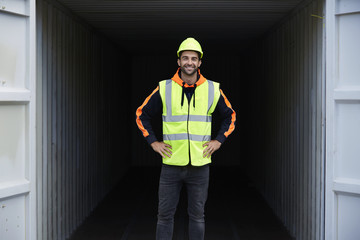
{"type": "Point", "coordinates": [188, 129]}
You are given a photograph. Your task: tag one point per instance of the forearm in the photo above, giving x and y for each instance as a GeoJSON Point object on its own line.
{"type": "Point", "coordinates": [227, 116]}
{"type": "Point", "coordinates": [145, 113]}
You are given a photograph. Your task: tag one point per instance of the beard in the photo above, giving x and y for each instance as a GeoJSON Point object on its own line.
{"type": "Point", "coordinates": [187, 71]}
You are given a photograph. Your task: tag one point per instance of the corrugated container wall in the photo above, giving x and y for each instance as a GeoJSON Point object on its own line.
{"type": "Point", "coordinates": [286, 143]}
{"type": "Point", "coordinates": [78, 84]}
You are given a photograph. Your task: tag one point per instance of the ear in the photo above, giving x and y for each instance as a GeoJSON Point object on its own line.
{"type": "Point", "coordinates": [199, 64]}
{"type": "Point", "coordinates": [178, 61]}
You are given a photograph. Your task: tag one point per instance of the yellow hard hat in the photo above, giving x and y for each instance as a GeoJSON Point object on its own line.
{"type": "Point", "coordinates": [190, 44]}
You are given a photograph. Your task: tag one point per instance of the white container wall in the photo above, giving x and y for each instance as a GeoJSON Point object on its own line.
{"type": "Point", "coordinates": [343, 120]}
{"type": "Point", "coordinates": [80, 153]}
{"type": "Point", "coordinates": [288, 135]}
{"type": "Point", "coordinates": [17, 120]}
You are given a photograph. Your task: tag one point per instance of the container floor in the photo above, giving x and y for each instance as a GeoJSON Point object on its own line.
{"type": "Point", "coordinates": [234, 210]}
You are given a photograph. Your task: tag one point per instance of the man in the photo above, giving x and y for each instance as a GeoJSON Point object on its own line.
{"type": "Point", "coordinates": [187, 102]}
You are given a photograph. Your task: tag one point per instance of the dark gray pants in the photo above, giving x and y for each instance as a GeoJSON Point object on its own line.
{"type": "Point", "coordinates": [172, 178]}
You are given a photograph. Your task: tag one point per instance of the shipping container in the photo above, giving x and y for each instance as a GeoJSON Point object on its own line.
{"type": "Point", "coordinates": [72, 74]}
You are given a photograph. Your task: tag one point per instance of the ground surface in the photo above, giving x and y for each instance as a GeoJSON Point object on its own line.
{"type": "Point", "coordinates": [234, 210]}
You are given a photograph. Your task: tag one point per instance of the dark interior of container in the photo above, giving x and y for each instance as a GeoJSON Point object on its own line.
{"type": "Point", "coordinates": [146, 36]}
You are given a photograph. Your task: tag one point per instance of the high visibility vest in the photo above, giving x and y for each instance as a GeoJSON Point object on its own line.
{"type": "Point", "coordinates": [186, 128]}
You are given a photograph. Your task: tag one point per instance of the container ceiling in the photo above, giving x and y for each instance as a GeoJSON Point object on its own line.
{"type": "Point", "coordinates": [142, 26]}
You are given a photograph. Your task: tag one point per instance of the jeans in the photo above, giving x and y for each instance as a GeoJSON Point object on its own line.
{"type": "Point", "coordinates": [172, 178]}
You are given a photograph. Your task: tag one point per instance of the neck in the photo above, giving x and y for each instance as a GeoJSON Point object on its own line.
{"type": "Point", "coordinates": [189, 79]}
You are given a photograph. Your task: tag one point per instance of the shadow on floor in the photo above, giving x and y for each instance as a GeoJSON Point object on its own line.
{"type": "Point", "coordinates": [234, 210]}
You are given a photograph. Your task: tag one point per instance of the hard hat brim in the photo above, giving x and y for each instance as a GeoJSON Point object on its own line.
{"type": "Point", "coordinates": [182, 50]}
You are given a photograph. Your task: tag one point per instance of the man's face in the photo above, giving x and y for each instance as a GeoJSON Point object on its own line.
{"type": "Point", "coordinates": [189, 62]}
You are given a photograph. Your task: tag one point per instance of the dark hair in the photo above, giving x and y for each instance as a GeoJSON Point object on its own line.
{"type": "Point", "coordinates": [199, 54]}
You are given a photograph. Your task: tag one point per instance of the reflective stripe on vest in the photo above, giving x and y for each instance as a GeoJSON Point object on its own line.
{"type": "Point", "coordinates": [186, 128]}
{"type": "Point", "coordinates": [185, 136]}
